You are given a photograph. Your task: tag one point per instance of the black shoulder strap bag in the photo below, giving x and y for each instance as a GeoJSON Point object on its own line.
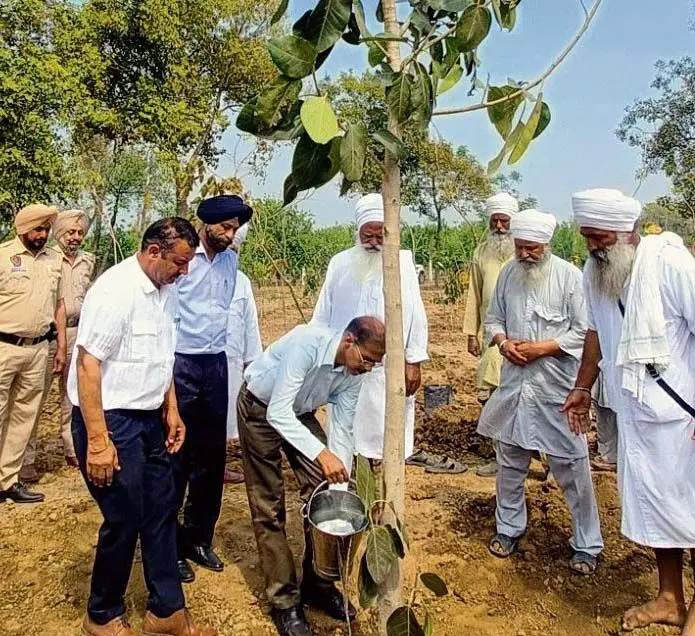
{"type": "Point", "coordinates": [651, 370]}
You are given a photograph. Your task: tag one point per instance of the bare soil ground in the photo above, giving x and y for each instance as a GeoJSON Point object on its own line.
{"type": "Point", "coordinates": [46, 550]}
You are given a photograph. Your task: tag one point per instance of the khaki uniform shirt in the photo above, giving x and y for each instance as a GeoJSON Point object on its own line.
{"type": "Point", "coordinates": [484, 273]}
{"type": "Point", "coordinates": [30, 287]}
{"type": "Point", "coordinates": [76, 279]}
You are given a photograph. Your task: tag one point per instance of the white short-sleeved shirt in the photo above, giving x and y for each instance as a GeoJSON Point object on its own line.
{"type": "Point", "coordinates": [126, 324]}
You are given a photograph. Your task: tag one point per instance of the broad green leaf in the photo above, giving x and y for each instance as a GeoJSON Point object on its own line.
{"type": "Point", "coordinates": [400, 526]}
{"type": "Point", "coordinates": [364, 475]}
{"type": "Point", "coordinates": [403, 622]}
{"type": "Point", "coordinates": [352, 35]}
{"type": "Point", "coordinates": [365, 585]}
{"type": "Point", "coordinates": [508, 13]}
{"type": "Point", "coordinates": [398, 544]}
{"type": "Point", "coordinates": [422, 95]}
{"type": "Point", "coordinates": [473, 27]}
{"type": "Point", "coordinates": [376, 54]}
{"type": "Point", "coordinates": [311, 163]}
{"type": "Point", "coordinates": [452, 56]}
{"type": "Point", "coordinates": [294, 56]}
{"type": "Point", "coordinates": [420, 22]}
{"type": "Point", "coordinates": [528, 132]}
{"type": "Point", "coordinates": [496, 9]}
{"type": "Point", "coordinates": [380, 553]}
{"type": "Point", "coordinates": [543, 121]}
{"type": "Point", "coordinates": [289, 127]}
{"type": "Point", "coordinates": [273, 101]}
{"type": "Point", "coordinates": [345, 186]}
{"type": "Point", "coordinates": [389, 141]}
{"type": "Point", "coordinates": [398, 97]}
{"type": "Point", "coordinates": [385, 37]}
{"type": "Point", "coordinates": [319, 119]}
{"type": "Point", "coordinates": [429, 625]}
{"type": "Point", "coordinates": [434, 583]}
{"type": "Point", "coordinates": [470, 61]}
{"type": "Point", "coordinates": [279, 12]}
{"type": "Point", "coordinates": [452, 78]}
{"type": "Point", "coordinates": [502, 115]}
{"type": "Point", "coordinates": [352, 154]}
{"type": "Point", "coordinates": [494, 165]}
{"type": "Point", "coordinates": [300, 26]}
{"type": "Point", "coordinates": [380, 12]}
{"type": "Point", "coordinates": [289, 191]}
{"type": "Point", "coordinates": [359, 16]}
{"type": "Point", "coordinates": [327, 22]}
{"type": "Point", "coordinates": [437, 52]}
{"type": "Point", "coordinates": [450, 6]}
{"type": "Point", "coordinates": [334, 156]}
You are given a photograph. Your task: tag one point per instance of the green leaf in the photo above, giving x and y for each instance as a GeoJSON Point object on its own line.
{"type": "Point", "coordinates": [508, 13]}
{"type": "Point", "coordinates": [494, 165]}
{"type": "Point", "coordinates": [453, 55]}
{"type": "Point", "coordinates": [422, 96]}
{"type": "Point", "coordinates": [398, 544]}
{"type": "Point", "coordinates": [273, 101]}
{"type": "Point", "coordinates": [327, 22]}
{"type": "Point", "coordinates": [473, 27]}
{"type": "Point", "coordinates": [429, 625]}
{"type": "Point", "coordinates": [359, 16]}
{"type": "Point", "coordinates": [289, 127]}
{"type": "Point", "coordinates": [289, 191]}
{"type": "Point", "coordinates": [376, 54]}
{"type": "Point", "coordinates": [319, 119]}
{"type": "Point", "coordinates": [311, 163]}
{"type": "Point", "coordinates": [434, 583]}
{"type": "Point", "coordinates": [389, 141]}
{"type": "Point", "coordinates": [352, 35]}
{"type": "Point", "coordinates": [502, 115]}
{"type": "Point", "coordinates": [366, 586]}
{"type": "Point", "coordinates": [450, 6]}
{"type": "Point", "coordinates": [437, 52]}
{"type": "Point", "coordinates": [384, 37]}
{"type": "Point", "coordinates": [400, 526]}
{"type": "Point", "coordinates": [451, 79]}
{"type": "Point", "coordinates": [279, 12]}
{"type": "Point", "coordinates": [420, 21]}
{"type": "Point", "coordinates": [300, 26]}
{"type": "Point", "coordinates": [543, 121]}
{"type": "Point", "coordinates": [380, 12]}
{"type": "Point", "coordinates": [380, 553]}
{"type": "Point", "coordinates": [352, 154]}
{"type": "Point", "coordinates": [398, 97]}
{"type": "Point", "coordinates": [528, 132]}
{"type": "Point", "coordinates": [345, 186]}
{"type": "Point", "coordinates": [294, 56]}
{"type": "Point", "coordinates": [403, 622]}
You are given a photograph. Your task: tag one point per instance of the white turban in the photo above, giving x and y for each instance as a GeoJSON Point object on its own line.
{"type": "Point", "coordinates": [605, 209]}
{"type": "Point", "coordinates": [240, 235]}
{"type": "Point", "coordinates": [369, 209]}
{"type": "Point", "coordinates": [65, 221]}
{"type": "Point", "coordinates": [502, 203]}
{"type": "Point", "coordinates": [534, 226]}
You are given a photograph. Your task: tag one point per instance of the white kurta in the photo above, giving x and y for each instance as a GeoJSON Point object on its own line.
{"type": "Point", "coordinates": [243, 343]}
{"type": "Point", "coordinates": [656, 453]}
{"type": "Point", "coordinates": [343, 298]}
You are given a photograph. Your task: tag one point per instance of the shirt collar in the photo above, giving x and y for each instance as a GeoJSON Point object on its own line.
{"type": "Point", "coordinates": [331, 351]}
{"type": "Point", "coordinates": [143, 279]}
{"type": "Point", "coordinates": [23, 249]}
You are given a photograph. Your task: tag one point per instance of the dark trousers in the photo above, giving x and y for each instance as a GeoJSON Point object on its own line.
{"type": "Point", "coordinates": [201, 392]}
{"type": "Point", "coordinates": [261, 447]}
{"type": "Point", "coordinates": [140, 503]}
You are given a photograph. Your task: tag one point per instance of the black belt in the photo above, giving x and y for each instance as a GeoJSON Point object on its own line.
{"type": "Point", "coordinates": [21, 341]}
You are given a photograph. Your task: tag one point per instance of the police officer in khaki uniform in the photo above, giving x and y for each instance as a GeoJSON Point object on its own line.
{"type": "Point", "coordinates": [69, 231]}
{"type": "Point", "coordinates": [31, 298]}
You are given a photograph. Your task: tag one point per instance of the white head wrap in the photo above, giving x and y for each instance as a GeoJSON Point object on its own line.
{"type": "Point", "coordinates": [502, 203]}
{"type": "Point", "coordinates": [369, 209]}
{"type": "Point", "coordinates": [605, 209]}
{"type": "Point", "coordinates": [532, 225]}
{"type": "Point", "coordinates": [240, 235]}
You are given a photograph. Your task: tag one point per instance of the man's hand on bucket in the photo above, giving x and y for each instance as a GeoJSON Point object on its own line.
{"type": "Point", "coordinates": [333, 468]}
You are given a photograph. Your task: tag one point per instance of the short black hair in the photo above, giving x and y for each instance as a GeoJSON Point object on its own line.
{"type": "Point", "coordinates": [368, 330]}
{"type": "Point", "coordinates": [167, 231]}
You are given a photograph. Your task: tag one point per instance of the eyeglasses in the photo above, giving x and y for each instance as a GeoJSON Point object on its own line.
{"type": "Point", "coordinates": [367, 364]}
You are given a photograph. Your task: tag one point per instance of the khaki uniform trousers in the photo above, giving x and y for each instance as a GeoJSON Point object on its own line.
{"type": "Point", "coordinates": [22, 381]}
{"type": "Point", "coordinates": [261, 447]}
{"type": "Point", "coordinates": [65, 404]}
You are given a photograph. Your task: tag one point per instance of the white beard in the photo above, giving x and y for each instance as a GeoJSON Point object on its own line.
{"type": "Point", "coordinates": [499, 246]}
{"type": "Point", "coordinates": [365, 265]}
{"type": "Point", "coordinates": [608, 275]}
{"type": "Point", "coordinates": [534, 273]}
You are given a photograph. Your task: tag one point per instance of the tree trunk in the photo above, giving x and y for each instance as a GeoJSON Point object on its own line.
{"type": "Point", "coordinates": [393, 473]}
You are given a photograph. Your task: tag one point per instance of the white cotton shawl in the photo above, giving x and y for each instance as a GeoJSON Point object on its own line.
{"type": "Point", "coordinates": [643, 336]}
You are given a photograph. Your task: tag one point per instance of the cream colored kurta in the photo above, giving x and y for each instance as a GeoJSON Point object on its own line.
{"type": "Point", "coordinates": [484, 272]}
{"type": "Point", "coordinates": [343, 298]}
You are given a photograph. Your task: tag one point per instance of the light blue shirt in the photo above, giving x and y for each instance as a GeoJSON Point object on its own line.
{"type": "Point", "coordinates": [296, 375]}
{"type": "Point", "coordinates": [202, 301]}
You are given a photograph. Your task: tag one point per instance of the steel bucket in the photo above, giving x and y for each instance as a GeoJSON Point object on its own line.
{"type": "Point", "coordinates": [337, 521]}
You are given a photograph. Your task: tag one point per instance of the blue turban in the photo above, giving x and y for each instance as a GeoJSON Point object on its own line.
{"type": "Point", "coordinates": [223, 208]}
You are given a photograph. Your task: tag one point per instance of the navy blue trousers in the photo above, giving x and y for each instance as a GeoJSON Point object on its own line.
{"type": "Point", "coordinates": [140, 503]}
{"type": "Point", "coordinates": [201, 393]}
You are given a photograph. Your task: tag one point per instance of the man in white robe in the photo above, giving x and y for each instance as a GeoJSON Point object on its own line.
{"type": "Point", "coordinates": [354, 287]}
{"type": "Point", "coordinates": [651, 279]}
{"type": "Point", "coordinates": [243, 345]}
{"type": "Point", "coordinates": [537, 319]}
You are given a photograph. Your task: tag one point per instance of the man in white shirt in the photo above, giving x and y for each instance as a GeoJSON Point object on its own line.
{"type": "Point", "coordinates": [354, 287]}
{"type": "Point", "coordinates": [125, 427]}
{"type": "Point", "coordinates": [309, 367]}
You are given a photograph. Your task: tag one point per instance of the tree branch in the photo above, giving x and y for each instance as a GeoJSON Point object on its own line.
{"type": "Point", "coordinates": [539, 80]}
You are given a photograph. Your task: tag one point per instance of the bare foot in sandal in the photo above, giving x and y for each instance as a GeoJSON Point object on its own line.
{"type": "Point", "coordinates": [663, 610]}
{"type": "Point", "coordinates": [502, 546]}
{"type": "Point", "coordinates": [583, 563]}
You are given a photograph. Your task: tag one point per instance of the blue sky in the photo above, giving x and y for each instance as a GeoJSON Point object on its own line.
{"type": "Point", "coordinates": [612, 66]}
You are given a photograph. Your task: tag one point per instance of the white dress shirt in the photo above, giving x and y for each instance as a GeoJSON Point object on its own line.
{"type": "Point", "coordinates": [125, 324]}
{"type": "Point", "coordinates": [296, 375]}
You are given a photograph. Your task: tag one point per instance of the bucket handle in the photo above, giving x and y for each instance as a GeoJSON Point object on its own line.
{"type": "Point", "coordinates": [322, 486]}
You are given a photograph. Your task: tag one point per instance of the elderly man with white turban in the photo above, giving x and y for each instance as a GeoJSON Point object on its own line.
{"type": "Point", "coordinates": [487, 262]}
{"type": "Point", "coordinates": [353, 287]}
{"type": "Point", "coordinates": [641, 299]}
{"type": "Point", "coordinates": [243, 345]}
{"type": "Point", "coordinates": [537, 320]}
{"type": "Point", "coordinates": [69, 231]}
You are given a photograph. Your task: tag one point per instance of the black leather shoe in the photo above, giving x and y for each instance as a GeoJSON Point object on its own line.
{"type": "Point", "coordinates": [19, 494]}
{"type": "Point", "coordinates": [291, 622]}
{"type": "Point", "coordinates": [203, 555]}
{"type": "Point", "coordinates": [186, 573]}
{"type": "Point", "coordinates": [329, 600]}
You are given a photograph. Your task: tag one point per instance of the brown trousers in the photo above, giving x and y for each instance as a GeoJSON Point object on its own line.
{"type": "Point", "coordinates": [262, 448]}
